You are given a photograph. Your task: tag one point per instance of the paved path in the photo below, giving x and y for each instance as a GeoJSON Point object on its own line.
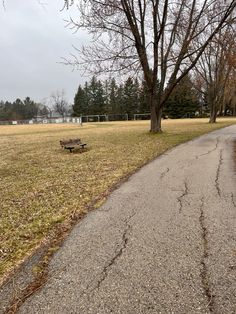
{"type": "Point", "coordinates": [164, 242]}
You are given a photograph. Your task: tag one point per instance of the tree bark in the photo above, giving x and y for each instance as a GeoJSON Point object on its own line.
{"type": "Point", "coordinates": [213, 114]}
{"type": "Point", "coordinates": [156, 113]}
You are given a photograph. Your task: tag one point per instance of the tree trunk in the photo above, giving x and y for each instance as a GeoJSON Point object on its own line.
{"type": "Point", "coordinates": [155, 118]}
{"type": "Point", "coordinates": [221, 113]}
{"type": "Point", "coordinates": [213, 113]}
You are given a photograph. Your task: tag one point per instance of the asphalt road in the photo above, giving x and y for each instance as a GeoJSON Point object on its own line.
{"type": "Point", "coordinates": [164, 242]}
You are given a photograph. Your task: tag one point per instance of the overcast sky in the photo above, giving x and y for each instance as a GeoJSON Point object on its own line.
{"type": "Point", "coordinates": [33, 38]}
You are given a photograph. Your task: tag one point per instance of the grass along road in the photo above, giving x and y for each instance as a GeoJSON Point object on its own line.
{"type": "Point", "coordinates": [42, 186]}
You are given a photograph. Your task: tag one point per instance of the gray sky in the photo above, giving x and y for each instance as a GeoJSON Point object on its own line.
{"type": "Point", "coordinates": [33, 38]}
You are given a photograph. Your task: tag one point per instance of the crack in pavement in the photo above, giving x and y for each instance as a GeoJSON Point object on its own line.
{"type": "Point", "coordinates": [210, 151]}
{"type": "Point", "coordinates": [164, 173]}
{"type": "Point", "coordinates": [217, 185]}
{"type": "Point", "coordinates": [232, 200]}
{"type": "Point", "coordinates": [204, 271]}
{"type": "Point", "coordinates": [229, 138]}
{"type": "Point", "coordinates": [180, 198]}
{"type": "Point", "coordinates": [108, 266]}
{"type": "Point", "coordinates": [115, 257]}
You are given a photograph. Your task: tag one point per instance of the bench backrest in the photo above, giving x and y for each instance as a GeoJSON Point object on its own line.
{"type": "Point", "coordinates": [70, 141]}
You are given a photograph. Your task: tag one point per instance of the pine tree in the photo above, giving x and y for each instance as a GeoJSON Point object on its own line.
{"type": "Point", "coordinates": [113, 97]}
{"type": "Point", "coordinates": [95, 97]}
{"type": "Point", "coordinates": [86, 98]}
{"type": "Point", "coordinates": [106, 96]}
{"type": "Point", "coordinates": [99, 101]}
{"type": "Point", "coordinates": [18, 110]}
{"type": "Point", "coordinates": [143, 99]}
{"type": "Point", "coordinates": [110, 98]}
{"type": "Point", "coordinates": [182, 102]}
{"type": "Point", "coordinates": [131, 90]}
{"type": "Point", "coordinates": [120, 100]}
{"type": "Point", "coordinates": [30, 108]}
{"type": "Point", "coordinates": [79, 107]}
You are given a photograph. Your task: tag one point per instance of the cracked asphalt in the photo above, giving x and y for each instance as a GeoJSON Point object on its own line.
{"type": "Point", "coordinates": [164, 242]}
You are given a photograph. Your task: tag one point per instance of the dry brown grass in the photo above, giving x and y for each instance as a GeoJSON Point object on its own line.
{"type": "Point", "coordinates": [42, 185]}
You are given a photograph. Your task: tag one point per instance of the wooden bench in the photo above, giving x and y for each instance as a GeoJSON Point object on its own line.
{"type": "Point", "coordinates": [71, 144]}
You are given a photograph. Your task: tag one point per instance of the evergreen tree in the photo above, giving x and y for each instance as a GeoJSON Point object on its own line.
{"type": "Point", "coordinates": [86, 98]}
{"type": "Point", "coordinates": [120, 100]}
{"type": "Point", "coordinates": [95, 97]}
{"type": "Point", "coordinates": [113, 97]}
{"type": "Point", "coordinates": [80, 101]}
{"type": "Point", "coordinates": [8, 111]}
{"type": "Point", "coordinates": [143, 99]}
{"type": "Point", "coordinates": [92, 87]}
{"type": "Point", "coordinates": [99, 100]}
{"type": "Point", "coordinates": [30, 108]}
{"type": "Point", "coordinates": [106, 95]}
{"type": "Point", "coordinates": [130, 94]}
{"type": "Point", "coordinates": [182, 102]}
{"type": "Point", "coordinates": [131, 97]}
{"type": "Point", "coordinates": [18, 110]}
{"type": "Point", "coordinates": [3, 112]}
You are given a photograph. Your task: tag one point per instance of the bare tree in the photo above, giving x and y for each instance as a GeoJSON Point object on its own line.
{"type": "Point", "coordinates": [215, 68]}
{"type": "Point", "coordinates": [230, 94]}
{"type": "Point", "coordinates": [151, 36]}
{"type": "Point", "coordinates": [47, 103]}
{"type": "Point", "coordinates": [59, 103]}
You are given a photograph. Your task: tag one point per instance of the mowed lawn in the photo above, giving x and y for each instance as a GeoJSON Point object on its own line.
{"type": "Point", "coordinates": [42, 186]}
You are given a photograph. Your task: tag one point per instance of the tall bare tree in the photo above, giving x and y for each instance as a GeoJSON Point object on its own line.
{"type": "Point", "coordinates": [59, 102]}
{"type": "Point", "coordinates": [151, 36]}
{"type": "Point", "coordinates": [230, 93]}
{"type": "Point", "coordinates": [216, 68]}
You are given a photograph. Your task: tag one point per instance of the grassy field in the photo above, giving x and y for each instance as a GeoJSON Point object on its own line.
{"type": "Point", "coordinates": [43, 186]}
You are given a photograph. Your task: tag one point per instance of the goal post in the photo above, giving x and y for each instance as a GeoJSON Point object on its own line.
{"type": "Point", "coordinates": [142, 116]}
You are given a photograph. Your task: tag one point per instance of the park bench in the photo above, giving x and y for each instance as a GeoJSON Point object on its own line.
{"type": "Point", "coordinates": [72, 143]}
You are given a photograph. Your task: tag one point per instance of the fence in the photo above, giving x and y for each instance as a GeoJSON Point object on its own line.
{"type": "Point", "coordinates": [142, 116]}
{"type": "Point", "coordinates": [106, 117]}
{"type": "Point", "coordinates": [116, 117]}
{"type": "Point", "coordinates": [82, 119]}
{"type": "Point", "coordinates": [76, 120]}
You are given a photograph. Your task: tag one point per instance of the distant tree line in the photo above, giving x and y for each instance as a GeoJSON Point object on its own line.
{"type": "Point", "coordinates": [190, 97]}
{"type": "Point", "coordinates": [131, 97]}
{"type": "Point", "coordinates": [109, 97]}
{"type": "Point", "coordinates": [29, 109]}
{"type": "Point", "coordinates": [21, 109]}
